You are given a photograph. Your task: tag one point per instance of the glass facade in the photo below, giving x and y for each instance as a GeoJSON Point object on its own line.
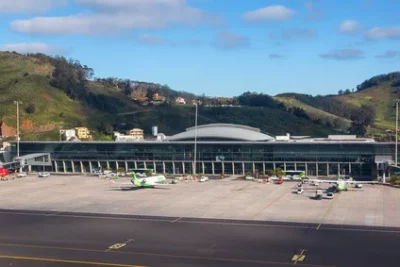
{"type": "Point", "coordinates": [316, 158]}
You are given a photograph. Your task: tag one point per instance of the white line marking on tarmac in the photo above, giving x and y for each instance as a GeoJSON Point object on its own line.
{"type": "Point", "coordinates": [340, 227]}
{"type": "Point", "coordinates": [176, 220]}
{"type": "Point", "coordinates": [327, 212]}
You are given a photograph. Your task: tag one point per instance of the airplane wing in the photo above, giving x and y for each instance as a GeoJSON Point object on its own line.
{"type": "Point", "coordinates": [345, 181]}
{"type": "Point", "coordinates": [361, 182]}
{"type": "Point", "coordinates": [322, 181]}
{"type": "Point", "coordinates": [160, 184]}
{"type": "Point", "coordinates": [122, 184]}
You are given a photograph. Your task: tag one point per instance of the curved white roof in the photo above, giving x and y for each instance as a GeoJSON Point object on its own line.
{"type": "Point", "coordinates": [222, 131]}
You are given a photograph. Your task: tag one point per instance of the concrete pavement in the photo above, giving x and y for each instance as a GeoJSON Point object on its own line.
{"type": "Point", "coordinates": [373, 205]}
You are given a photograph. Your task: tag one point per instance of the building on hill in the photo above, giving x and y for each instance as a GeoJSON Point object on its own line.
{"type": "Point", "coordinates": [180, 100]}
{"type": "Point", "coordinates": [158, 97]}
{"type": "Point", "coordinates": [68, 134]}
{"type": "Point", "coordinates": [136, 133]}
{"type": "Point", "coordinates": [83, 133]}
{"type": "Point", "coordinates": [144, 101]}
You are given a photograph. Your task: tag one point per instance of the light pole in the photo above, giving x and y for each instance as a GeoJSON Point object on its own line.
{"type": "Point", "coordinates": [397, 129]}
{"type": "Point", "coordinates": [17, 103]}
{"type": "Point", "coordinates": [195, 139]}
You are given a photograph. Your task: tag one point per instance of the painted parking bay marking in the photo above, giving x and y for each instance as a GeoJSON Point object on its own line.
{"type": "Point", "coordinates": [119, 245]}
{"type": "Point", "coordinates": [299, 257]}
{"type": "Point", "coordinates": [78, 262]}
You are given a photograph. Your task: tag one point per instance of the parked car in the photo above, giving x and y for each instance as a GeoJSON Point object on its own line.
{"type": "Point", "coordinates": [315, 183]}
{"type": "Point", "coordinates": [300, 190]}
{"type": "Point", "coordinates": [330, 195]}
{"type": "Point", "coordinates": [44, 174]}
{"type": "Point", "coordinates": [21, 174]}
{"type": "Point", "coordinates": [204, 179]}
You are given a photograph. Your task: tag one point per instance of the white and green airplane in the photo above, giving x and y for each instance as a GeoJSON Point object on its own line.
{"type": "Point", "coordinates": [341, 184]}
{"type": "Point", "coordinates": [144, 182]}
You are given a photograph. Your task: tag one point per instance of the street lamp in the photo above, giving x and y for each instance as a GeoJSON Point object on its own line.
{"type": "Point", "coordinates": [195, 139]}
{"type": "Point", "coordinates": [397, 129]}
{"type": "Point", "coordinates": [17, 103]}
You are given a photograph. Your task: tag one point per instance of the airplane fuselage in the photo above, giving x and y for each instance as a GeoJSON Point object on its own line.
{"type": "Point", "coordinates": [148, 181]}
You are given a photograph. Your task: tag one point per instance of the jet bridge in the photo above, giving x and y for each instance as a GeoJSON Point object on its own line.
{"type": "Point", "coordinates": [26, 162]}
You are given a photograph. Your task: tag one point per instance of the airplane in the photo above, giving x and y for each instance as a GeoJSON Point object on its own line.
{"type": "Point", "coordinates": [4, 172]}
{"type": "Point", "coordinates": [146, 182]}
{"type": "Point", "coordinates": [341, 184]}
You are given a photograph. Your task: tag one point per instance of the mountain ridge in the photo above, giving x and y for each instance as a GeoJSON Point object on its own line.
{"type": "Point", "coordinates": [58, 93]}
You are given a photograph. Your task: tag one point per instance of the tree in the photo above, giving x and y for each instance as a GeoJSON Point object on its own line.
{"type": "Point", "coordinates": [105, 128]}
{"type": "Point", "coordinates": [374, 81]}
{"type": "Point", "coordinates": [365, 115]}
{"type": "Point", "coordinates": [30, 109]}
{"type": "Point", "coordinates": [358, 129]}
{"type": "Point", "coordinates": [395, 179]}
{"type": "Point", "coordinates": [150, 92]}
{"type": "Point", "coordinates": [127, 88]}
{"type": "Point", "coordinates": [258, 100]}
{"type": "Point", "coordinates": [347, 91]}
{"type": "Point", "coordinates": [361, 119]}
{"type": "Point", "coordinates": [121, 170]}
{"type": "Point", "coordinates": [299, 112]}
{"type": "Point", "coordinates": [340, 92]}
{"type": "Point", "coordinates": [278, 172]}
{"type": "Point", "coordinates": [148, 173]}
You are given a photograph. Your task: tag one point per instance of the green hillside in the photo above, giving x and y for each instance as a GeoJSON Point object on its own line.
{"type": "Point", "coordinates": [57, 93]}
{"type": "Point", "coordinates": [325, 117]}
{"type": "Point", "coordinates": [27, 79]}
{"type": "Point", "coordinates": [379, 94]}
{"type": "Point", "coordinates": [383, 98]}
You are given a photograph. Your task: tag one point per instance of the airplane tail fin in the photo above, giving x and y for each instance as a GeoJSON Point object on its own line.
{"type": "Point", "coordinates": [134, 179]}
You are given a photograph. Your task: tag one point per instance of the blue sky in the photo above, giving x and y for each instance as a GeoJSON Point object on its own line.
{"type": "Point", "coordinates": [216, 47]}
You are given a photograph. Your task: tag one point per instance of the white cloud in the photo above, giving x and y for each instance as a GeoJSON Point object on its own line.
{"type": "Point", "coordinates": [349, 26]}
{"type": "Point", "coordinates": [228, 40]}
{"type": "Point", "coordinates": [294, 33]}
{"type": "Point", "coordinates": [29, 6]}
{"type": "Point", "coordinates": [115, 16]}
{"type": "Point", "coordinates": [382, 33]}
{"type": "Point", "coordinates": [343, 54]}
{"type": "Point", "coordinates": [130, 4]}
{"type": "Point", "coordinates": [151, 39]}
{"type": "Point", "coordinates": [277, 12]}
{"type": "Point", "coordinates": [388, 54]}
{"type": "Point", "coordinates": [313, 13]}
{"type": "Point", "coordinates": [24, 48]}
{"type": "Point", "coordinates": [275, 56]}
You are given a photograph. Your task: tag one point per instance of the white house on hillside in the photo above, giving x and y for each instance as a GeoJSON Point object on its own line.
{"type": "Point", "coordinates": [180, 100]}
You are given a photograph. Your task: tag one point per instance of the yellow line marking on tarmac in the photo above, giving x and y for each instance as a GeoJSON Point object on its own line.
{"type": "Point", "coordinates": [299, 257]}
{"type": "Point", "coordinates": [164, 255]}
{"type": "Point", "coordinates": [67, 261]}
{"type": "Point", "coordinates": [119, 245]}
{"type": "Point", "coordinates": [327, 212]}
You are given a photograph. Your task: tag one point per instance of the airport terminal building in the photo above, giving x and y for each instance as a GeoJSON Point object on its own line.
{"type": "Point", "coordinates": [221, 149]}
